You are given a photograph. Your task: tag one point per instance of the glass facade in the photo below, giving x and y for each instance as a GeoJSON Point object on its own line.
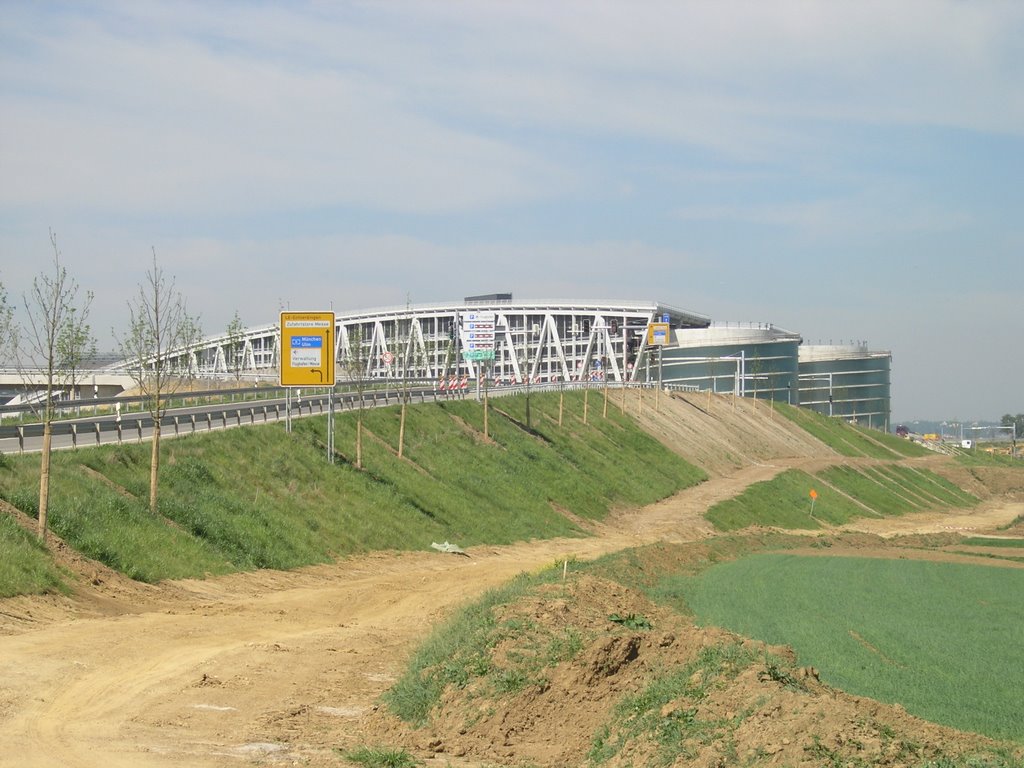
{"type": "Point", "coordinates": [847, 381]}
{"type": "Point", "coordinates": [748, 360]}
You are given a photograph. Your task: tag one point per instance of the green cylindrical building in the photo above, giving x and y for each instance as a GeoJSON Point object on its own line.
{"type": "Point", "coordinates": [847, 381]}
{"type": "Point", "coordinates": [746, 359]}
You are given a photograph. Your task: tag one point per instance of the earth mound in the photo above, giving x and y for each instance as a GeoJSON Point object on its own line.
{"type": "Point", "coordinates": [588, 672]}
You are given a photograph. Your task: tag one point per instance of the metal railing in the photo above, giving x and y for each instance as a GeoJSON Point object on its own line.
{"type": "Point", "coordinates": [119, 427]}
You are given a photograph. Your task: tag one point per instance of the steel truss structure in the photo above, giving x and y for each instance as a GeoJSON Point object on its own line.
{"type": "Point", "coordinates": [542, 341]}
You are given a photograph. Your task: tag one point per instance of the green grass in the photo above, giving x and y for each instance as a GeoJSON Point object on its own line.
{"type": "Point", "coordinates": [942, 639]}
{"type": "Point", "coordinates": [262, 498]}
{"type": "Point", "coordinates": [899, 445]}
{"type": "Point", "coordinates": [986, 459]}
{"type": "Point", "coordinates": [997, 758]}
{"type": "Point", "coordinates": [108, 525]}
{"type": "Point", "coordinates": [455, 652]}
{"type": "Point", "coordinates": [936, 486]}
{"type": "Point", "coordinates": [921, 616]}
{"type": "Point", "coordinates": [982, 541]}
{"type": "Point", "coordinates": [844, 438]}
{"type": "Point", "coordinates": [894, 490]}
{"type": "Point", "coordinates": [783, 502]}
{"type": "Point", "coordinates": [382, 757]}
{"type": "Point", "coordinates": [867, 490]}
{"type": "Point", "coordinates": [25, 566]}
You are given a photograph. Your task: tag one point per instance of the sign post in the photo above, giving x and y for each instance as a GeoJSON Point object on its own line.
{"type": "Point", "coordinates": [814, 497]}
{"type": "Point", "coordinates": [477, 331]}
{"type": "Point", "coordinates": [307, 359]}
{"type": "Point", "coordinates": [658, 335]}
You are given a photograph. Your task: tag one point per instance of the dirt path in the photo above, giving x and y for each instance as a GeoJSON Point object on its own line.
{"type": "Point", "coordinates": [216, 672]}
{"type": "Point", "coordinates": [985, 517]}
{"type": "Point", "coordinates": [275, 668]}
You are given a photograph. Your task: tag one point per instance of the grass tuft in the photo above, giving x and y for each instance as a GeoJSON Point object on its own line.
{"type": "Point", "coordinates": [666, 712]}
{"type": "Point", "coordinates": [381, 757]}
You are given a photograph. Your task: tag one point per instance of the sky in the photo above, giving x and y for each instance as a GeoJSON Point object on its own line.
{"type": "Point", "coordinates": [852, 171]}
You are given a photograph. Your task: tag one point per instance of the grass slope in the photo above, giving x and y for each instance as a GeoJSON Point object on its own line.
{"type": "Point", "coordinates": [842, 494]}
{"type": "Point", "coordinates": [849, 440]}
{"type": "Point", "coordinates": [263, 498]}
{"type": "Point", "coordinates": [894, 490]}
{"type": "Point", "coordinates": [783, 502]}
{"type": "Point", "coordinates": [942, 639]}
{"type": "Point", "coordinates": [25, 567]}
{"type": "Point", "coordinates": [868, 490]}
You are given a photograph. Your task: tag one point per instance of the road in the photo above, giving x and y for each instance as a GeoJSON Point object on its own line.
{"type": "Point", "coordinates": [111, 428]}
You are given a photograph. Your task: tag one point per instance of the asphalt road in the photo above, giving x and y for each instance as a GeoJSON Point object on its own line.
{"type": "Point", "coordinates": [112, 428]}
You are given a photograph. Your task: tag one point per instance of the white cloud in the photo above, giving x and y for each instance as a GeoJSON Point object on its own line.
{"type": "Point", "coordinates": [357, 153]}
{"type": "Point", "coordinates": [136, 123]}
{"type": "Point", "coordinates": [195, 107]}
{"type": "Point", "coordinates": [723, 74]}
{"type": "Point", "coordinates": [876, 213]}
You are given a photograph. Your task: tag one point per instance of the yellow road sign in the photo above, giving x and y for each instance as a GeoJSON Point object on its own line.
{"type": "Point", "coordinates": [658, 334]}
{"type": "Point", "coordinates": [307, 349]}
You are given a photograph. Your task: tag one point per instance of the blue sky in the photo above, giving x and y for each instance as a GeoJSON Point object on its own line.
{"type": "Point", "coordinates": [847, 170]}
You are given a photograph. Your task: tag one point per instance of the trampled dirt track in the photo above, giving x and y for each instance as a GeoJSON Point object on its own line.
{"type": "Point", "coordinates": [283, 668]}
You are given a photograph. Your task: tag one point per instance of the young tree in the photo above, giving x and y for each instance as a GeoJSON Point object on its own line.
{"type": "Point", "coordinates": [234, 347]}
{"type": "Point", "coordinates": [49, 308]}
{"type": "Point", "coordinates": [158, 330]}
{"type": "Point", "coordinates": [75, 345]}
{"type": "Point", "coordinates": [526, 373]}
{"type": "Point", "coordinates": [354, 364]}
{"type": "Point", "coordinates": [7, 327]}
{"type": "Point", "coordinates": [412, 361]}
{"type": "Point", "coordinates": [191, 338]}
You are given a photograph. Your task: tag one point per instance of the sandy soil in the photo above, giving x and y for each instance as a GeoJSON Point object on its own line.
{"type": "Point", "coordinates": [285, 668]}
{"type": "Point", "coordinates": [275, 666]}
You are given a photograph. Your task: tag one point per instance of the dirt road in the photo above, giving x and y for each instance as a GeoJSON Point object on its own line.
{"type": "Point", "coordinates": [275, 668]}
{"type": "Point", "coordinates": [212, 673]}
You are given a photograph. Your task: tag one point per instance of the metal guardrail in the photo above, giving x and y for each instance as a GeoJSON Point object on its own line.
{"type": "Point", "coordinates": [117, 428]}
{"type": "Point", "coordinates": [64, 406]}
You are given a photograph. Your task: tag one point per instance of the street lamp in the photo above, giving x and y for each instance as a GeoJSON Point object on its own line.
{"type": "Point", "coordinates": [824, 377]}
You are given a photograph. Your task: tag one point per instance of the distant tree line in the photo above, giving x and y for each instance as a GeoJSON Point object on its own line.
{"type": "Point", "coordinates": [1014, 421]}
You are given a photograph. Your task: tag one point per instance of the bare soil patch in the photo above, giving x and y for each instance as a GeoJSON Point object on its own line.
{"type": "Point", "coordinates": [275, 668]}
{"type": "Point", "coordinates": [765, 712]}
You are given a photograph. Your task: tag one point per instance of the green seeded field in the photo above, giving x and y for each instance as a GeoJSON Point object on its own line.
{"type": "Point", "coordinates": [944, 640]}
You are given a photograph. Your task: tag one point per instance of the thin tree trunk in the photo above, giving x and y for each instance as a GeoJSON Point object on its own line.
{"type": "Point", "coordinates": [154, 466]}
{"type": "Point", "coordinates": [359, 441]}
{"type": "Point", "coordinates": [401, 432]}
{"type": "Point", "coordinates": [44, 479]}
